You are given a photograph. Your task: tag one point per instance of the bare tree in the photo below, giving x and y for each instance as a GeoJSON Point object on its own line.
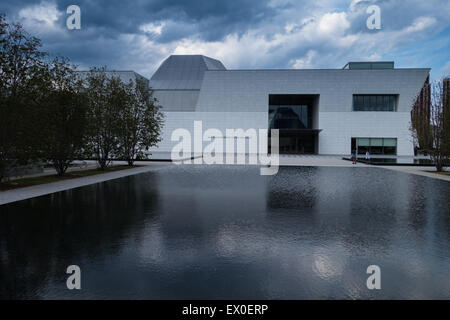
{"type": "Point", "coordinates": [420, 118]}
{"type": "Point", "coordinates": [434, 125]}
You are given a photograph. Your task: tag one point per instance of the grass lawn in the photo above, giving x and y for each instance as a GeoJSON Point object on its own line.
{"type": "Point", "coordinates": [26, 182]}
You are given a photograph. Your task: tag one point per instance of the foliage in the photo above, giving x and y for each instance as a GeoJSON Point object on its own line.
{"type": "Point", "coordinates": [140, 122]}
{"type": "Point", "coordinates": [106, 98]}
{"type": "Point", "coordinates": [22, 68]}
{"type": "Point", "coordinates": [65, 116]}
{"type": "Point", "coordinates": [49, 113]}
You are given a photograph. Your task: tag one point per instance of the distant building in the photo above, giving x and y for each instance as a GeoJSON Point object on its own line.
{"type": "Point", "coordinates": [446, 87]}
{"type": "Point", "coordinates": [364, 106]}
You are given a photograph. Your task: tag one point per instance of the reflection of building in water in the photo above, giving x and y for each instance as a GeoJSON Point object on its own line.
{"type": "Point", "coordinates": [205, 195]}
{"type": "Point", "coordinates": [292, 188]}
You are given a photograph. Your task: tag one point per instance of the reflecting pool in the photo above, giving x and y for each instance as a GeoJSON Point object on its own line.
{"type": "Point", "coordinates": [225, 232]}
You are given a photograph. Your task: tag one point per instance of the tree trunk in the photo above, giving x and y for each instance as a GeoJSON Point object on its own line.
{"type": "Point", "coordinates": [60, 167]}
{"type": "Point", "coordinates": [2, 173]}
{"type": "Point", "coordinates": [130, 162]}
{"type": "Point", "coordinates": [102, 164]}
{"type": "Point", "coordinates": [439, 165]}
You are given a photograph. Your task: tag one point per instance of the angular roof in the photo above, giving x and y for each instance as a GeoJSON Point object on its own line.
{"type": "Point", "coordinates": [183, 72]}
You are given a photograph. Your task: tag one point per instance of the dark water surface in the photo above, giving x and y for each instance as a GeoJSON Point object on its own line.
{"type": "Point", "coordinates": [189, 232]}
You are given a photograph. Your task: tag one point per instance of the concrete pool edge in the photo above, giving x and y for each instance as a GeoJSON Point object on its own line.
{"type": "Point", "coordinates": [14, 195]}
{"type": "Point", "coordinates": [418, 170]}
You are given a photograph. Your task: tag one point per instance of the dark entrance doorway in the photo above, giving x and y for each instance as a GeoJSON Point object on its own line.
{"type": "Point", "coordinates": [298, 141]}
{"type": "Point", "coordinates": [294, 116]}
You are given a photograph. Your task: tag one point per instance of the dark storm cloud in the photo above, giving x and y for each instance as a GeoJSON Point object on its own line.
{"type": "Point", "coordinates": [243, 34]}
{"type": "Point", "coordinates": [110, 19]}
{"type": "Point", "coordinates": [213, 19]}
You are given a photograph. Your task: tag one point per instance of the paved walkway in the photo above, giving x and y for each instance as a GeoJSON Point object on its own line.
{"type": "Point", "coordinates": [295, 160]}
{"type": "Point", "coordinates": [336, 161]}
{"type": "Point", "coordinates": [421, 171]}
{"type": "Point", "coordinates": [43, 189]}
{"type": "Point", "coordinates": [317, 161]}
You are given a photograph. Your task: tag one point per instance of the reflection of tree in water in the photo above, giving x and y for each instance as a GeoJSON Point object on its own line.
{"type": "Point", "coordinates": [40, 237]}
{"type": "Point", "coordinates": [417, 205]}
{"type": "Point", "coordinates": [435, 215]}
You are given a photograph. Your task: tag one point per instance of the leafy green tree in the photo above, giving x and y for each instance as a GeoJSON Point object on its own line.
{"type": "Point", "coordinates": [140, 122]}
{"type": "Point", "coordinates": [106, 98]}
{"type": "Point", "coordinates": [22, 68]}
{"type": "Point", "coordinates": [65, 115]}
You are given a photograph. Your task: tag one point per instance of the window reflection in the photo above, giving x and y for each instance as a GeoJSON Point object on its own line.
{"type": "Point", "coordinates": [288, 117]}
{"type": "Point", "coordinates": [364, 102]}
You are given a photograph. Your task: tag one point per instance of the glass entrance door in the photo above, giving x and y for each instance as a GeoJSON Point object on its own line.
{"type": "Point", "coordinates": [298, 141]}
{"type": "Point", "coordinates": [292, 115]}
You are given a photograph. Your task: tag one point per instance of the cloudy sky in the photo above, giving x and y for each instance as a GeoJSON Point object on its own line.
{"type": "Point", "coordinates": [138, 35]}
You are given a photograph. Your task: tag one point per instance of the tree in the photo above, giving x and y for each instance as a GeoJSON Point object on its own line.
{"type": "Point", "coordinates": [435, 125]}
{"type": "Point", "coordinates": [22, 67]}
{"type": "Point", "coordinates": [446, 115]}
{"type": "Point", "coordinates": [140, 122]}
{"type": "Point", "coordinates": [106, 98]}
{"type": "Point", "coordinates": [420, 118]}
{"type": "Point", "coordinates": [65, 116]}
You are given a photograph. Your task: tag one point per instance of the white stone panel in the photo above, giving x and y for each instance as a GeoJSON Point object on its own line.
{"type": "Point", "coordinates": [339, 127]}
{"type": "Point", "coordinates": [216, 120]}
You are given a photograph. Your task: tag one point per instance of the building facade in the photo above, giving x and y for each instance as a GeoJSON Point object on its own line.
{"type": "Point", "coordinates": [363, 106]}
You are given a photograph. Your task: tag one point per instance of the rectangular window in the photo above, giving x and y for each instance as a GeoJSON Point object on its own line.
{"type": "Point", "coordinates": [363, 145]}
{"type": "Point", "coordinates": [366, 103]}
{"type": "Point", "coordinates": [361, 102]}
{"type": "Point", "coordinates": [390, 146]}
{"type": "Point", "coordinates": [374, 102]}
{"type": "Point", "coordinates": [380, 106]}
{"type": "Point", "coordinates": [390, 142]}
{"type": "Point", "coordinates": [363, 142]}
{"type": "Point", "coordinates": [375, 146]}
{"type": "Point", "coordinates": [386, 103]}
{"type": "Point", "coordinates": [376, 142]}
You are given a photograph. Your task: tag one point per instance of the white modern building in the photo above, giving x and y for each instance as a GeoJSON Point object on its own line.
{"type": "Point", "coordinates": [363, 106]}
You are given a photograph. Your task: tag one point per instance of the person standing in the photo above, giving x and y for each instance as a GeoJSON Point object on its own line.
{"type": "Point", "coordinates": [367, 156]}
{"type": "Point", "coordinates": [354, 156]}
